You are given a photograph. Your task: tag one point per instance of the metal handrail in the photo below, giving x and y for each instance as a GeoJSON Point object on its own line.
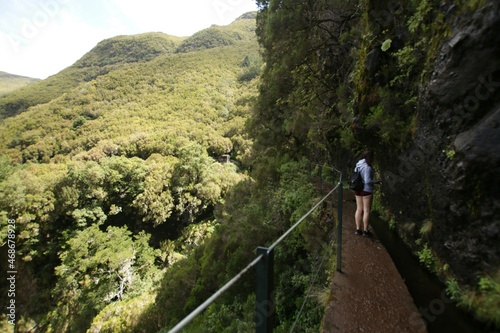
{"type": "Point", "coordinates": [211, 299]}
{"type": "Point", "coordinates": [270, 248]}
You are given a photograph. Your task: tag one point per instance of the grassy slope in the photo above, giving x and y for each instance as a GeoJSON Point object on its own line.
{"type": "Point", "coordinates": [11, 82]}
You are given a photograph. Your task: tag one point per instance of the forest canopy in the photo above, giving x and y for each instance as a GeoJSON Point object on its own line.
{"type": "Point", "coordinates": [144, 176]}
{"type": "Point", "coordinates": [112, 168]}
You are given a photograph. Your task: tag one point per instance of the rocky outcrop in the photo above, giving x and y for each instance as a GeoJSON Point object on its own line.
{"type": "Point", "coordinates": [449, 176]}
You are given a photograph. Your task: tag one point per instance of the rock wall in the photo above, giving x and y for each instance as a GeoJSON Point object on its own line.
{"type": "Point", "coordinates": [450, 175]}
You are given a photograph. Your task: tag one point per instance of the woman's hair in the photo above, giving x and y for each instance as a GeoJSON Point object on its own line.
{"type": "Point", "coordinates": [368, 156]}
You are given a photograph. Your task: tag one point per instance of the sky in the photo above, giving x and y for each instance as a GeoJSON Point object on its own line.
{"type": "Point", "coordinates": [39, 38]}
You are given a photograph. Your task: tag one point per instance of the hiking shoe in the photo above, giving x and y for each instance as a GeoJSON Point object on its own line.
{"type": "Point", "coordinates": [358, 232]}
{"type": "Point", "coordinates": [367, 233]}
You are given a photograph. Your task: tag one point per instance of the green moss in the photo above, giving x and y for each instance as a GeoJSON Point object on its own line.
{"type": "Point", "coordinates": [453, 289]}
{"type": "Point", "coordinates": [472, 5]}
{"type": "Point", "coordinates": [406, 60]}
{"type": "Point", "coordinates": [426, 228]}
{"type": "Point", "coordinates": [426, 257]}
{"type": "Point", "coordinates": [419, 19]}
{"type": "Point", "coordinates": [392, 224]}
{"type": "Point", "coordinates": [386, 45]}
{"type": "Point", "coordinates": [450, 153]}
{"type": "Point", "coordinates": [483, 300]}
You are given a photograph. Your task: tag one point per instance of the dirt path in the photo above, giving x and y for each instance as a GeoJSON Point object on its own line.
{"type": "Point", "coordinates": [369, 294]}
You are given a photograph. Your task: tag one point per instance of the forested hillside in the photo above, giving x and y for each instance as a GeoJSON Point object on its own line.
{"type": "Point", "coordinates": [11, 82]}
{"type": "Point", "coordinates": [105, 57]}
{"type": "Point", "coordinates": [111, 169]}
{"type": "Point", "coordinates": [127, 218]}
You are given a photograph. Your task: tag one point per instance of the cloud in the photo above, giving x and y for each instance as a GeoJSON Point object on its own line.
{"type": "Point", "coordinates": [47, 42]}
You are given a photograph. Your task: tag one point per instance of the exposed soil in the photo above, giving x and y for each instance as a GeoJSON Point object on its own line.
{"type": "Point", "coordinates": [369, 294]}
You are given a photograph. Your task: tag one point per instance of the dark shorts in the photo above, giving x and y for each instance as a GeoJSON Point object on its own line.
{"type": "Point", "coordinates": [362, 193]}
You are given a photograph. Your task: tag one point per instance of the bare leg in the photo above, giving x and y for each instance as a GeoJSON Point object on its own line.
{"type": "Point", "coordinates": [367, 206]}
{"type": "Point", "coordinates": [359, 212]}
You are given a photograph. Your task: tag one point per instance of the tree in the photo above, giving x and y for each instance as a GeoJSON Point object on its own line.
{"type": "Point", "coordinates": [156, 202]}
{"type": "Point", "coordinates": [306, 48]}
{"type": "Point", "coordinates": [98, 268]}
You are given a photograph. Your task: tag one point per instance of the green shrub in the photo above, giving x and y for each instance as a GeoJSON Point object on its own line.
{"type": "Point", "coordinates": [426, 257]}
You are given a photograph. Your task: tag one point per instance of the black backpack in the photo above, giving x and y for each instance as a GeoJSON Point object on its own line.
{"type": "Point", "coordinates": [356, 182]}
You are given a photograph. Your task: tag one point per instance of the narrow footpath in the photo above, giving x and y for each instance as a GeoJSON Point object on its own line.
{"type": "Point", "coordinates": [369, 294]}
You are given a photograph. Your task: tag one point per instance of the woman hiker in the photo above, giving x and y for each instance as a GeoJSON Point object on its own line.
{"type": "Point", "coordinates": [364, 197]}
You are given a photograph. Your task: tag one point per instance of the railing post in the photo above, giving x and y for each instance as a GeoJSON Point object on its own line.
{"type": "Point", "coordinates": [264, 302]}
{"type": "Point", "coordinates": [339, 226]}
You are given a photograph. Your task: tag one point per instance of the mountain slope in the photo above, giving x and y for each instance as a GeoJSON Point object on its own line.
{"type": "Point", "coordinates": [107, 55]}
{"type": "Point", "coordinates": [220, 36]}
{"type": "Point", "coordinates": [198, 87]}
{"type": "Point", "coordinates": [11, 82]}
{"type": "Point", "coordinates": [119, 51]}
{"type": "Point", "coordinates": [123, 148]}
{"type": "Point", "coordinates": [129, 49]}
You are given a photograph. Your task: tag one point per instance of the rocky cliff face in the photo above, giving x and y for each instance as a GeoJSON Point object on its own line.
{"type": "Point", "coordinates": [449, 177]}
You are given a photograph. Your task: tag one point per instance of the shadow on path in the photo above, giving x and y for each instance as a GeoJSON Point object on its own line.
{"type": "Point", "coordinates": [369, 294]}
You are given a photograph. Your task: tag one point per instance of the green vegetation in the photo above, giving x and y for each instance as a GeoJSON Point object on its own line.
{"type": "Point", "coordinates": [450, 153]}
{"type": "Point", "coordinates": [247, 220]}
{"type": "Point", "coordinates": [427, 258]}
{"type": "Point", "coordinates": [340, 76]}
{"type": "Point", "coordinates": [484, 300]}
{"type": "Point", "coordinates": [127, 216]}
{"type": "Point", "coordinates": [111, 170]}
{"type": "Point", "coordinates": [387, 82]}
{"type": "Point", "coordinates": [216, 36]}
{"type": "Point", "coordinates": [107, 56]}
{"type": "Point", "coordinates": [10, 82]}
{"type": "Point", "coordinates": [118, 52]}
{"type": "Point", "coordinates": [84, 285]}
